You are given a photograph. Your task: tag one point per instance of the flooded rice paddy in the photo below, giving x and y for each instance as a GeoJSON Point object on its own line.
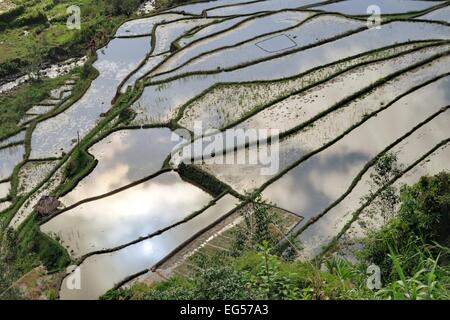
{"type": "Point", "coordinates": [248, 29]}
{"type": "Point", "coordinates": [360, 7]}
{"type": "Point", "coordinates": [56, 135]}
{"type": "Point", "coordinates": [263, 6]}
{"type": "Point", "coordinates": [125, 216]}
{"type": "Point", "coordinates": [4, 189]}
{"type": "Point", "coordinates": [102, 271]}
{"type": "Point", "coordinates": [122, 160]}
{"type": "Point", "coordinates": [442, 14]}
{"type": "Point", "coordinates": [313, 179]}
{"type": "Point", "coordinates": [19, 137]}
{"type": "Point", "coordinates": [340, 94]}
{"type": "Point", "coordinates": [32, 173]}
{"type": "Point", "coordinates": [11, 157]}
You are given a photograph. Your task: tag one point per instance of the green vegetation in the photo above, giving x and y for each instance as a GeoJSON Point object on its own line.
{"type": "Point", "coordinates": [24, 250]}
{"type": "Point", "coordinates": [14, 104]}
{"type": "Point", "coordinates": [29, 247]}
{"type": "Point", "coordinates": [422, 222]}
{"type": "Point", "coordinates": [127, 115]}
{"type": "Point", "coordinates": [257, 228]}
{"type": "Point", "coordinates": [51, 294]}
{"type": "Point", "coordinates": [12, 266]}
{"type": "Point", "coordinates": [41, 26]}
{"type": "Point", "coordinates": [80, 164]}
{"type": "Point", "coordinates": [161, 4]}
{"type": "Point", "coordinates": [410, 250]}
{"type": "Point", "coordinates": [79, 161]}
{"type": "Point", "coordinates": [202, 179]}
{"type": "Point", "coordinates": [31, 242]}
{"type": "Point", "coordinates": [34, 33]}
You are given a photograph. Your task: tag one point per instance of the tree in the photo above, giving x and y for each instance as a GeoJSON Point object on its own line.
{"type": "Point", "coordinates": [36, 59]}
{"type": "Point", "coordinates": [423, 220]}
{"type": "Point", "coordinates": [385, 204]}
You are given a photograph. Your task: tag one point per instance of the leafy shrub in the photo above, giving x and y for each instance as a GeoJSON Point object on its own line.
{"type": "Point", "coordinates": [79, 161]}
{"type": "Point", "coordinates": [428, 281]}
{"type": "Point", "coordinates": [160, 4]}
{"type": "Point", "coordinates": [386, 168]}
{"type": "Point", "coordinates": [32, 242]}
{"type": "Point", "coordinates": [51, 294]}
{"type": "Point", "coordinates": [258, 227]}
{"type": "Point", "coordinates": [12, 14]}
{"type": "Point", "coordinates": [32, 19]}
{"type": "Point", "coordinates": [125, 7]}
{"type": "Point", "coordinates": [126, 115]}
{"type": "Point", "coordinates": [7, 18]}
{"type": "Point", "coordinates": [13, 66]}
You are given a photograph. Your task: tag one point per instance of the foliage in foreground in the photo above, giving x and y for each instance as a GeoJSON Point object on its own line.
{"type": "Point", "coordinates": [414, 265]}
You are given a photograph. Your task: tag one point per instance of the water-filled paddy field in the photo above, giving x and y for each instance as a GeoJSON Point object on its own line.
{"type": "Point", "coordinates": [338, 93]}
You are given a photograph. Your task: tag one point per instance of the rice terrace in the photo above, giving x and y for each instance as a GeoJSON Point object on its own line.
{"type": "Point", "coordinates": [224, 150]}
